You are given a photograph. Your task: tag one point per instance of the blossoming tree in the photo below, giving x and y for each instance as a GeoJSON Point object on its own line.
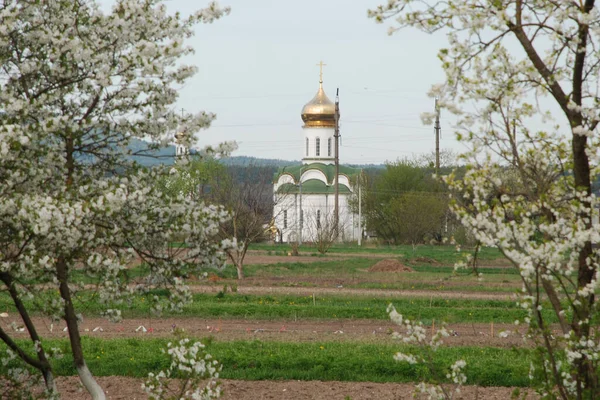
{"type": "Point", "coordinates": [523, 76]}
{"type": "Point", "coordinates": [76, 85]}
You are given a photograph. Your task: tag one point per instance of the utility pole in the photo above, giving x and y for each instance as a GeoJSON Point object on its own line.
{"type": "Point", "coordinates": [438, 131]}
{"type": "Point", "coordinates": [300, 213]}
{"type": "Point", "coordinates": [336, 216]}
{"type": "Point", "coordinates": [359, 210]}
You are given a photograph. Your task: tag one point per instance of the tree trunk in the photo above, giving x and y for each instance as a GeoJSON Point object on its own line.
{"type": "Point", "coordinates": [75, 339]}
{"type": "Point", "coordinates": [43, 365]}
{"type": "Point", "coordinates": [240, 270]}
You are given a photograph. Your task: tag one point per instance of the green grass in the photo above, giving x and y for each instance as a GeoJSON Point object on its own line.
{"type": "Point", "coordinates": [350, 268]}
{"type": "Point", "coordinates": [444, 254]}
{"type": "Point", "coordinates": [331, 307]}
{"type": "Point", "coordinates": [256, 360]}
{"type": "Point", "coordinates": [232, 305]}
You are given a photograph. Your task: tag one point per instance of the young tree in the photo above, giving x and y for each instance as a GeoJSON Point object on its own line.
{"type": "Point", "coordinates": [511, 66]}
{"type": "Point", "coordinates": [76, 84]}
{"type": "Point", "coordinates": [249, 200]}
{"type": "Point", "coordinates": [245, 192]}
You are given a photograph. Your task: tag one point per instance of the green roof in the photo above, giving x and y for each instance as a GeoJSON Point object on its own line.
{"type": "Point", "coordinates": [312, 186]}
{"type": "Point", "coordinates": [327, 169]}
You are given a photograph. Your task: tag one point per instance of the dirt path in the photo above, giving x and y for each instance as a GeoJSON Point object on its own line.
{"type": "Point", "coordinates": [303, 331]}
{"type": "Point", "coordinates": [376, 293]}
{"type": "Point", "coordinates": [121, 388]}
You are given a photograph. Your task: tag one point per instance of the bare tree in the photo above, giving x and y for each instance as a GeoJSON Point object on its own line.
{"type": "Point", "coordinates": [251, 206]}
{"type": "Point", "coordinates": [321, 228]}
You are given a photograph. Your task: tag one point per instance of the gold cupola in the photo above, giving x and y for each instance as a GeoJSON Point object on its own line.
{"type": "Point", "coordinates": [320, 111]}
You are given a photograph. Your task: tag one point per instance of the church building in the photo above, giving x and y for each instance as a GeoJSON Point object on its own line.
{"type": "Point", "coordinates": [304, 194]}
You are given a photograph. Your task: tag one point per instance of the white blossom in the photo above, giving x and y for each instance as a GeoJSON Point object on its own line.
{"type": "Point", "coordinates": [73, 206]}
{"type": "Point", "coordinates": [522, 79]}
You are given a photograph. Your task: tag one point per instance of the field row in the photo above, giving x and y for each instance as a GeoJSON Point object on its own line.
{"type": "Point", "coordinates": [233, 305]}
{"type": "Point", "coordinates": [257, 360]}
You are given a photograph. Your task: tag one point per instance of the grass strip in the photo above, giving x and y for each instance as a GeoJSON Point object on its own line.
{"type": "Point", "coordinates": [325, 307]}
{"type": "Point", "coordinates": [256, 360]}
{"type": "Point", "coordinates": [271, 307]}
{"type": "Point", "coordinates": [445, 253]}
{"type": "Point", "coordinates": [351, 267]}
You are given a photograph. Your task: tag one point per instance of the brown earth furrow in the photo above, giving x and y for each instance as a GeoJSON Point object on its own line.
{"type": "Point", "coordinates": [301, 331]}
{"type": "Point", "coordinates": [123, 388]}
{"type": "Point", "coordinates": [376, 293]}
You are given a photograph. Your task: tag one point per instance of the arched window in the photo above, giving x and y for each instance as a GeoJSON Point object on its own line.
{"type": "Point", "coordinates": [329, 147]}
{"type": "Point", "coordinates": [301, 219]}
{"type": "Point", "coordinates": [285, 218]}
{"type": "Point", "coordinates": [318, 147]}
{"type": "Point", "coordinates": [318, 219]}
{"type": "Point", "coordinates": [306, 147]}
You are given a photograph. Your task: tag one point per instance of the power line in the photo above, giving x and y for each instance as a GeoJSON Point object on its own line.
{"type": "Point", "coordinates": [358, 122]}
{"type": "Point", "coordinates": [373, 148]}
{"type": "Point", "coordinates": [365, 91]}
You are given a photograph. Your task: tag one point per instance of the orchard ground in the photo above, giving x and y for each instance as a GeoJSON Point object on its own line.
{"type": "Point", "coordinates": [304, 307]}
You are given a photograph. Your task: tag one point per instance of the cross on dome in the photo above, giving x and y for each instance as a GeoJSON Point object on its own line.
{"type": "Point", "coordinates": [321, 65]}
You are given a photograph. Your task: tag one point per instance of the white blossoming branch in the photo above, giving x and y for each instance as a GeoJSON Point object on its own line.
{"type": "Point", "coordinates": [414, 333]}
{"type": "Point", "coordinates": [192, 375]}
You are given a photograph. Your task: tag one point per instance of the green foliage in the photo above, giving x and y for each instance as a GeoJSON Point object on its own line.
{"type": "Point", "coordinates": [256, 360]}
{"type": "Point", "coordinates": [197, 178]}
{"type": "Point", "coordinates": [405, 204]}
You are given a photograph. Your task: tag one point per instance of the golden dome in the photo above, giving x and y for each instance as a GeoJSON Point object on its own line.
{"type": "Point", "coordinates": [320, 111]}
{"type": "Point", "coordinates": [179, 136]}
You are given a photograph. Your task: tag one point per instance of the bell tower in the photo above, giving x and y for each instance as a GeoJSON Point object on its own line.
{"type": "Point", "coordinates": [318, 116]}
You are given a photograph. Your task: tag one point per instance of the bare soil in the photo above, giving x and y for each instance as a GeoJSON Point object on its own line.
{"type": "Point", "coordinates": [261, 258]}
{"type": "Point", "coordinates": [121, 388]}
{"type": "Point", "coordinates": [303, 331]}
{"type": "Point", "coordinates": [390, 265]}
{"type": "Point", "coordinates": [339, 290]}
{"type": "Point", "coordinates": [426, 260]}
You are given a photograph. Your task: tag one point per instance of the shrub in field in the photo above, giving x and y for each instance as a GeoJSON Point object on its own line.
{"type": "Point", "coordinates": [406, 205]}
{"type": "Point", "coordinates": [191, 375]}
{"type": "Point", "coordinates": [77, 86]}
{"type": "Point", "coordinates": [522, 77]}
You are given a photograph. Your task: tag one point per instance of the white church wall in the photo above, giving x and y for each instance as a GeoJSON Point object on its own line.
{"type": "Point", "coordinates": [284, 214]}
{"type": "Point", "coordinates": [344, 180]}
{"type": "Point", "coordinates": [313, 174]}
{"type": "Point", "coordinates": [287, 217]}
{"type": "Point", "coordinates": [283, 179]}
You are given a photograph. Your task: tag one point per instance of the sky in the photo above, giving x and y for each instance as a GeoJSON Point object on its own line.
{"type": "Point", "coordinates": [257, 67]}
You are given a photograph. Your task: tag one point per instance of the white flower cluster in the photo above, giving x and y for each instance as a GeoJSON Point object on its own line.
{"type": "Point", "coordinates": [530, 121]}
{"type": "Point", "coordinates": [77, 85]}
{"type": "Point", "coordinates": [416, 334]}
{"type": "Point", "coordinates": [457, 375]}
{"type": "Point", "coordinates": [196, 370]}
{"type": "Point", "coordinates": [67, 190]}
{"type": "Point", "coordinates": [19, 383]}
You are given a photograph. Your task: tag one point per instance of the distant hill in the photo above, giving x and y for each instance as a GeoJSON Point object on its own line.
{"type": "Point", "coordinates": [244, 161]}
{"type": "Point", "coordinates": [166, 156]}
{"type": "Point", "coordinates": [163, 156]}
